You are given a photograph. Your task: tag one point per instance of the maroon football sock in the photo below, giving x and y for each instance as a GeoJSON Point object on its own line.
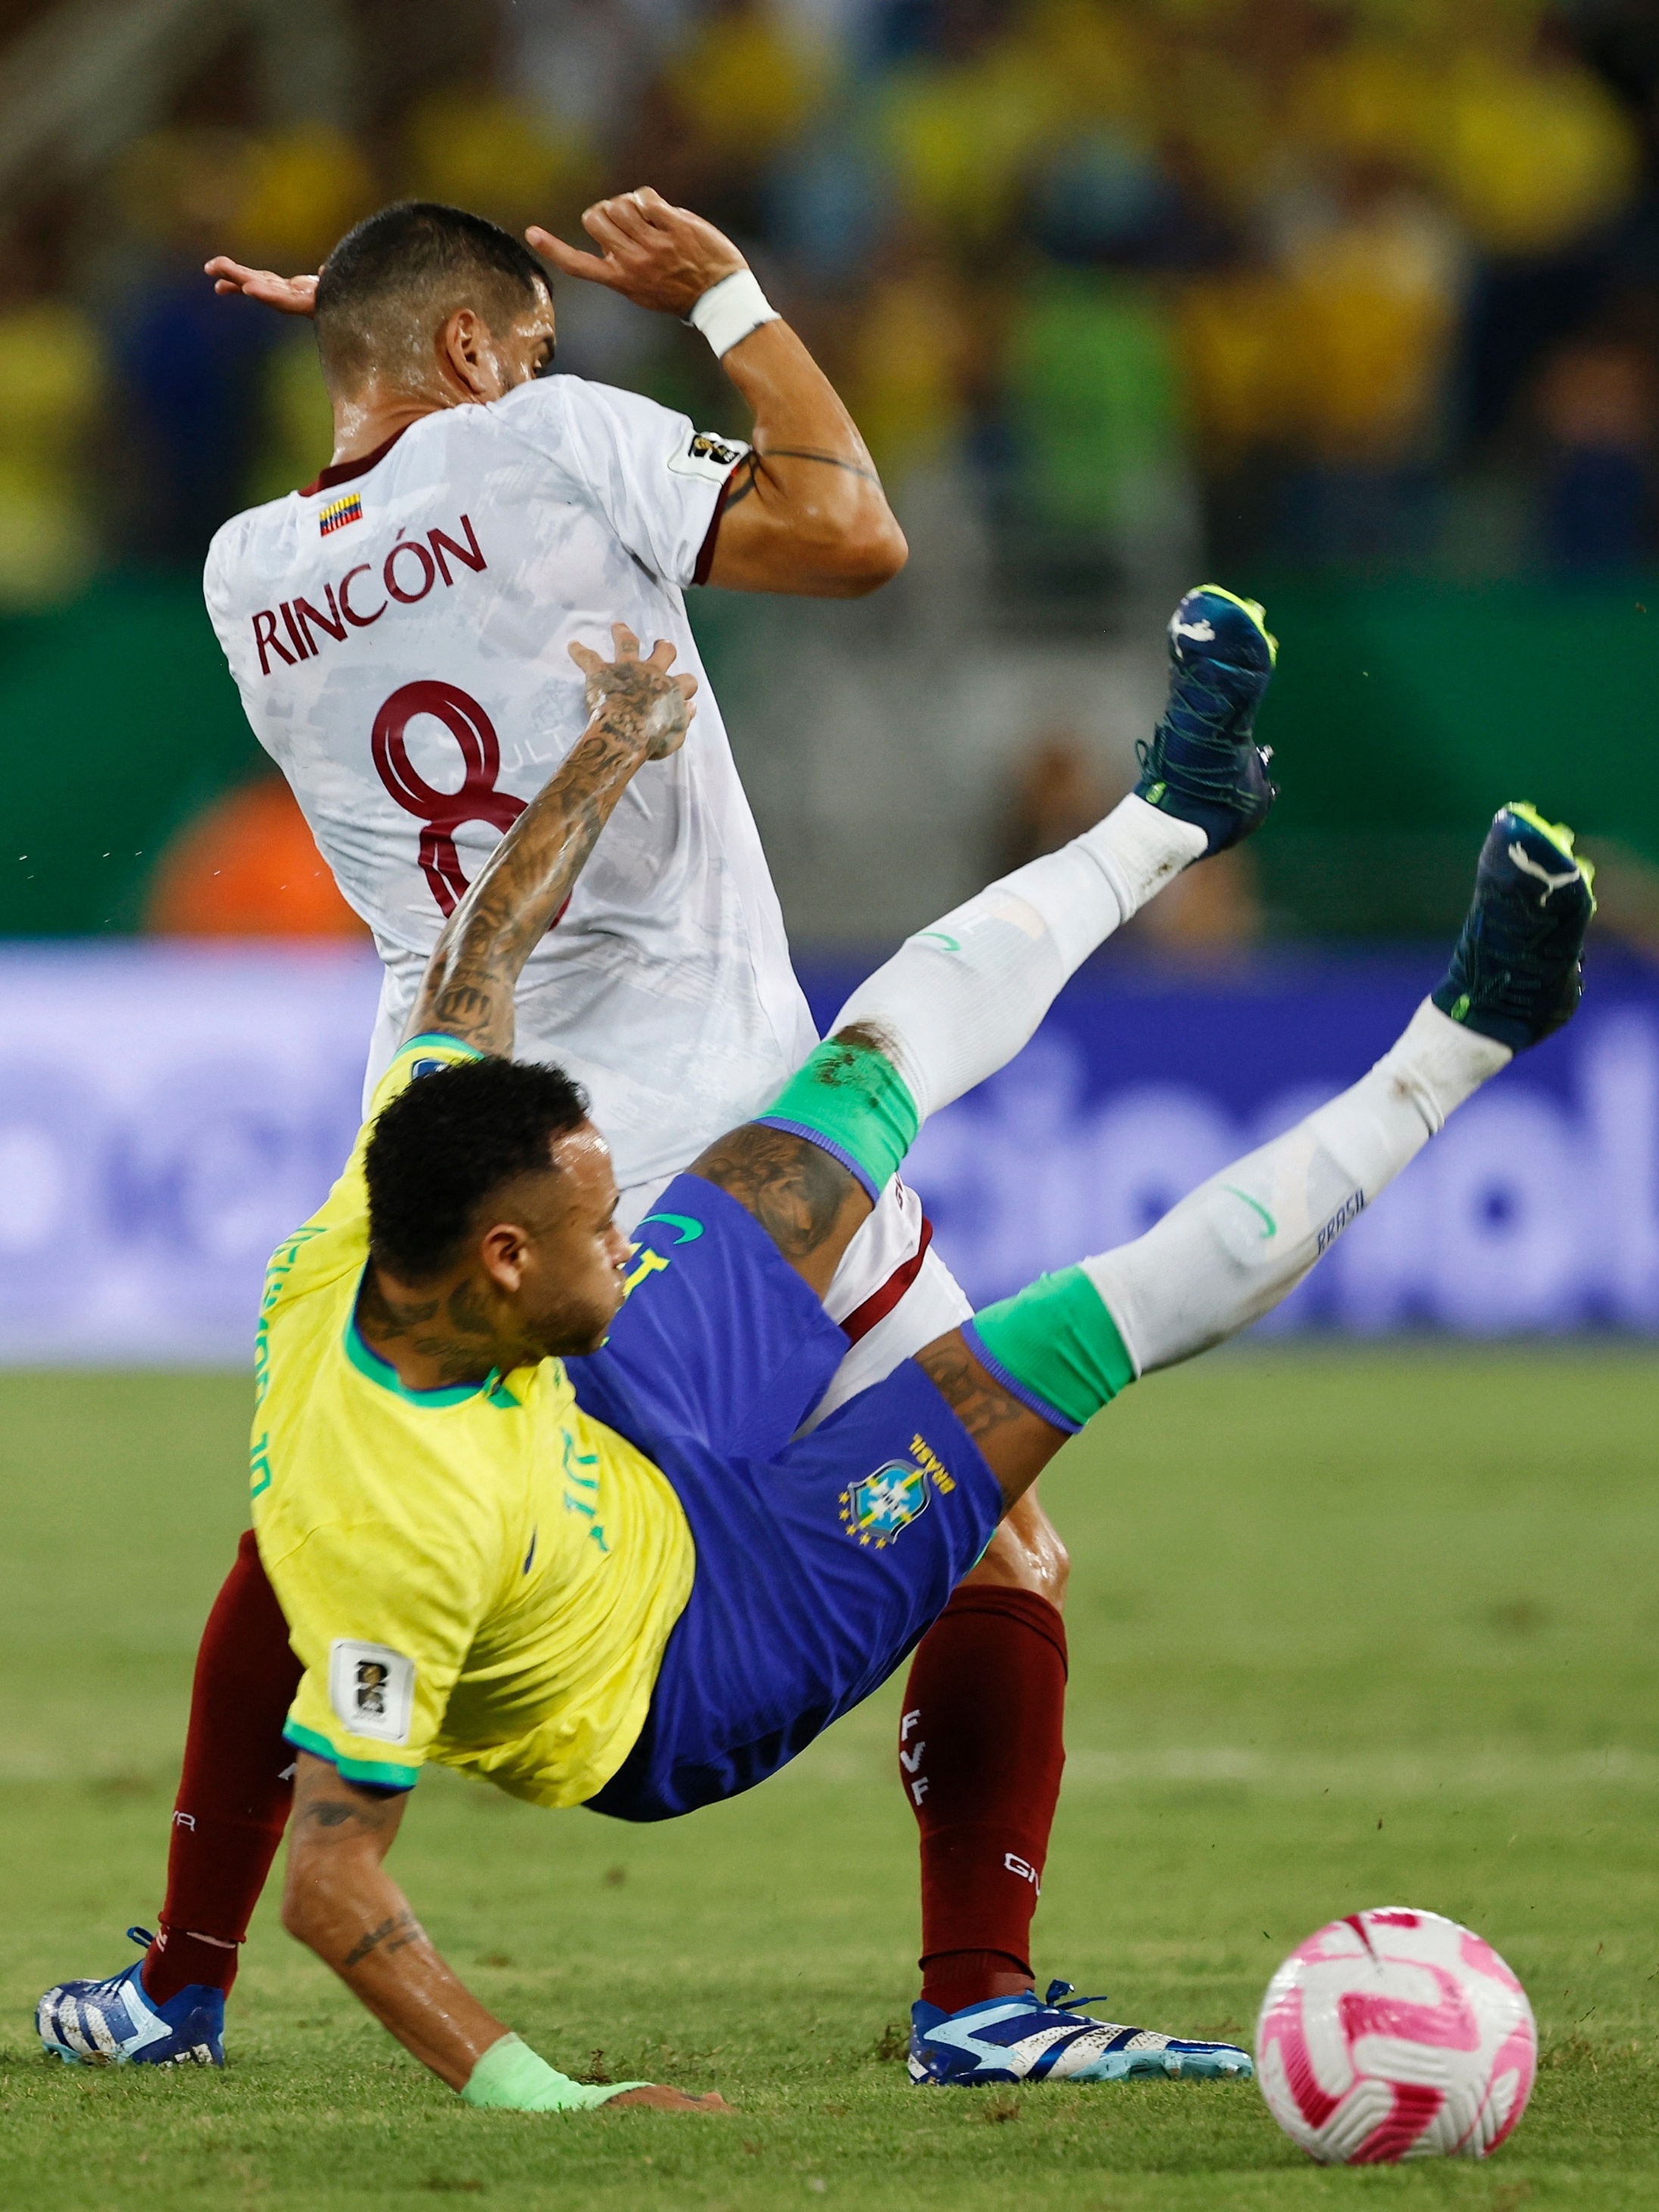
{"type": "Point", "coordinates": [980, 1752]}
{"type": "Point", "coordinates": [236, 1789]}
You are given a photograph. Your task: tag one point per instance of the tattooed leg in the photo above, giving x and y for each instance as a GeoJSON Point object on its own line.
{"type": "Point", "coordinates": [403, 1928]}
{"type": "Point", "coordinates": [1016, 1443]}
{"type": "Point", "coordinates": [808, 1204]}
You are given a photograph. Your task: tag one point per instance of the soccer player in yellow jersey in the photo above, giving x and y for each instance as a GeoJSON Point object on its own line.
{"type": "Point", "coordinates": [536, 1501]}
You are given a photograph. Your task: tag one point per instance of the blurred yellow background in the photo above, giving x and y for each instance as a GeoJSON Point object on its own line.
{"type": "Point", "coordinates": [1361, 290]}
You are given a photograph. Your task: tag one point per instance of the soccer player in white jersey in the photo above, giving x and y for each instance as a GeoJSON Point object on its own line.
{"type": "Point", "coordinates": [399, 631]}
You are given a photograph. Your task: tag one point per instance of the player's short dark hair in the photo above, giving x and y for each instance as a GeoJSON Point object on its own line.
{"type": "Point", "coordinates": [444, 1144]}
{"type": "Point", "coordinates": [390, 282]}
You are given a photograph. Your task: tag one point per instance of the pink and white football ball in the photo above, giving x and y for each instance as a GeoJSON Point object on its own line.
{"type": "Point", "coordinates": [1396, 2034]}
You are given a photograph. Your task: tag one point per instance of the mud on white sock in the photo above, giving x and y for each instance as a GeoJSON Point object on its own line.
{"type": "Point", "coordinates": [957, 1000]}
{"type": "Point", "coordinates": [1140, 850]}
{"type": "Point", "coordinates": [1441, 1063]}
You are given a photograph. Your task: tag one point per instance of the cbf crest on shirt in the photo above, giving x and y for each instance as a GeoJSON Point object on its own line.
{"type": "Point", "coordinates": [399, 632]}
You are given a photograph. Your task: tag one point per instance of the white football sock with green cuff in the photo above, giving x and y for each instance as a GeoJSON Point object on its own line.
{"type": "Point", "coordinates": [1068, 1344]}
{"type": "Point", "coordinates": [1241, 1242]}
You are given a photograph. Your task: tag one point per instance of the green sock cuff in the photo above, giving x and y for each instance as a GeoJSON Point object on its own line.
{"type": "Point", "coordinates": [511, 2078]}
{"type": "Point", "coordinates": [851, 1100]}
{"type": "Point", "coordinates": [1056, 1345]}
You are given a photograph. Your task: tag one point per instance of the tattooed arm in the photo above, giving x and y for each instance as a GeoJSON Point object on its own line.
{"type": "Point", "coordinates": [640, 712]}
{"type": "Point", "coordinates": [339, 1900]}
{"type": "Point", "coordinates": [806, 512]}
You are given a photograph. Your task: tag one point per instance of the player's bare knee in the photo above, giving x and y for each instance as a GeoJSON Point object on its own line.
{"type": "Point", "coordinates": [1056, 1569]}
{"type": "Point", "coordinates": [1026, 1554]}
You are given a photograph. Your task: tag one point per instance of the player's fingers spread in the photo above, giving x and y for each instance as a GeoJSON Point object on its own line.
{"type": "Point", "coordinates": [665, 2100]}
{"type": "Point", "coordinates": [662, 654]}
{"type": "Point", "coordinates": [570, 260]}
{"type": "Point", "coordinates": [628, 646]}
{"type": "Point", "coordinates": [587, 660]}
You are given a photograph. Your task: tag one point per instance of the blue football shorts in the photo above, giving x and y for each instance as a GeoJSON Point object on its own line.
{"type": "Point", "coordinates": [820, 1559]}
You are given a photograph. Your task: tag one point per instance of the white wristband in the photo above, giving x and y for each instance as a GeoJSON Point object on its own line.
{"type": "Point", "coordinates": [728, 311]}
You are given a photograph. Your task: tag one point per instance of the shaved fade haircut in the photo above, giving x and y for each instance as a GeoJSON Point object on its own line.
{"type": "Point", "coordinates": [391, 283]}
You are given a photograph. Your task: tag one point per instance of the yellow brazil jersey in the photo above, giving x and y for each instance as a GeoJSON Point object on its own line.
{"type": "Point", "coordinates": [478, 1575]}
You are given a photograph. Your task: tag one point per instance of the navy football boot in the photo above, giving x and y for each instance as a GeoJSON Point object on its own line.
{"type": "Point", "coordinates": [1018, 2039]}
{"type": "Point", "coordinates": [113, 2023]}
{"type": "Point", "coordinates": [1201, 763]}
{"type": "Point", "coordinates": [1516, 975]}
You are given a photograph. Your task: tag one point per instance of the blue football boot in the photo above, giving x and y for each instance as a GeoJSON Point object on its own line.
{"type": "Point", "coordinates": [1516, 975]}
{"type": "Point", "coordinates": [113, 2023]}
{"type": "Point", "coordinates": [1201, 763]}
{"type": "Point", "coordinates": [1018, 2039]}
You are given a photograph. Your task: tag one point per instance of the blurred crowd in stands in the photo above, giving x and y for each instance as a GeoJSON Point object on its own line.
{"type": "Point", "coordinates": [1364, 283]}
{"type": "Point", "coordinates": [1268, 286]}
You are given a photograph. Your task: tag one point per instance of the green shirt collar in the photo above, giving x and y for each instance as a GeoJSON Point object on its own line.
{"type": "Point", "coordinates": [494, 1386]}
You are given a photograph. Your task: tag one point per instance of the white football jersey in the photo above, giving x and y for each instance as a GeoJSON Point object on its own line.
{"type": "Point", "coordinates": [399, 634]}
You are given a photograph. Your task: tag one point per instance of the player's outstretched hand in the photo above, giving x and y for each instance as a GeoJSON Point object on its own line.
{"type": "Point", "coordinates": [671, 2101]}
{"type": "Point", "coordinates": [653, 252]}
{"type": "Point", "coordinates": [290, 296]}
{"type": "Point", "coordinates": [643, 695]}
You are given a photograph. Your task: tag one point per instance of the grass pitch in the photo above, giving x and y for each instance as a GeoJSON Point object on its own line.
{"type": "Point", "coordinates": [1347, 1629]}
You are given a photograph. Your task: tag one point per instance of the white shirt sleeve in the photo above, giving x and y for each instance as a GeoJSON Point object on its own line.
{"type": "Point", "coordinates": [655, 478]}
{"type": "Point", "coordinates": [214, 590]}
{"type": "Point", "coordinates": [230, 621]}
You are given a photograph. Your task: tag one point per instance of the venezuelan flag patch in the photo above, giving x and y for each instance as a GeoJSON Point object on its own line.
{"type": "Point", "coordinates": [338, 511]}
